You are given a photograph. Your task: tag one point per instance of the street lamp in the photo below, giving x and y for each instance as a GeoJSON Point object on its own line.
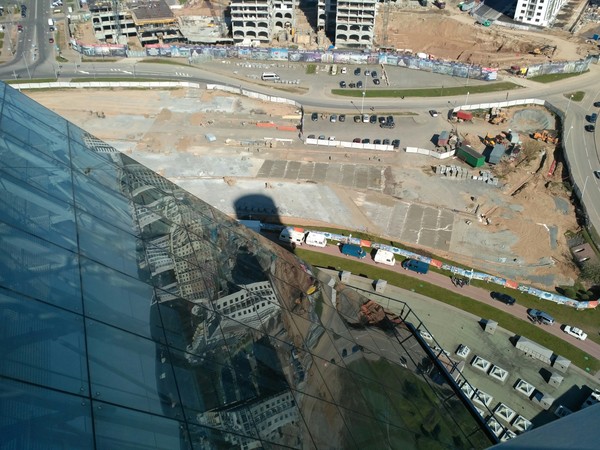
{"type": "Point", "coordinates": [467, 99]}
{"type": "Point", "coordinates": [362, 104]}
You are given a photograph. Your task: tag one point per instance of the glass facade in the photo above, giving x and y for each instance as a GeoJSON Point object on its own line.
{"type": "Point", "coordinates": [133, 316]}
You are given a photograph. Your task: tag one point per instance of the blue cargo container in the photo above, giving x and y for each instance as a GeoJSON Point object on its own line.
{"type": "Point", "coordinates": [353, 250]}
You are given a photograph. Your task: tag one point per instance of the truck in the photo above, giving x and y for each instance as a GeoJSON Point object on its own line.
{"type": "Point", "coordinates": [292, 235]}
{"type": "Point", "coordinates": [353, 250]}
{"type": "Point", "coordinates": [51, 24]}
{"type": "Point", "coordinates": [384, 257]}
{"type": "Point", "coordinates": [416, 266]}
{"type": "Point", "coordinates": [463, 115]}
{"type": "Point", "coordinates": [316, 239]}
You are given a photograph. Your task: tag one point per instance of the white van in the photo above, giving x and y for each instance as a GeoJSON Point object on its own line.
{"type": "Point", "coordinates": [316, 239]}
{"type": "Point", "coordinates": [268, 76]}
{"type": "Point", "coordinates": [292, 235]}
{"type": "Point", "coordinates": [384, 257]}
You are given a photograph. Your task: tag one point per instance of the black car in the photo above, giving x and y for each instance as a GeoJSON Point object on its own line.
{"type": "Point", "coordinates": [374, 74]}
{"type": "Point", "coordinates": [388, 125]}
{"type": "Point", "coordinates": [396, 143]}
{"type": "Point", "coordinates": [357, 119]}
{"type": "Point", "coordinates": [342, 118]}
{"type": "Point", "coordinates": [359, 84]}
{"type": "Point", "coordinates": [590, 128]}
{"type": "Point", "coordinates": [342, 84]}
{"type": "Point", "coordinates": [377, 142]}
{"type": "Point", "coordinates": [389, 119]}
{"type": "Point", "coordinates": [376, 81]}
{"type": "Point", "coordinates": [366, 141]}
{"type": "Point", "coordinates": [310, 136]}
{"type": "Point", "coordinates": [386, 142]}
{"type": "Point", "coordinates": [504, 298]}
{"type": "Point", "coordinates": [597, 104]}
{"type": "Point", "coordinates": [357, 71]}
{"type": "Point", "coordinates": [352, 85]}
{"type": "Point", "coordinates": [382, 119]}
{"type": "Point", "coordinates": [373, 119]}
{"type": "Point", "coordinates": [314, 117]}
{"type": "Point", "coordinates": [593, 117]}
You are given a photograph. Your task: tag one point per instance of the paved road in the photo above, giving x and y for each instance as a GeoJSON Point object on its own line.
{"type": "Point", "coordinates": [475, 293]}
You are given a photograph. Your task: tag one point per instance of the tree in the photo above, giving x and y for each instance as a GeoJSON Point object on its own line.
{"type": "Point", "coordinates": [591, 272]}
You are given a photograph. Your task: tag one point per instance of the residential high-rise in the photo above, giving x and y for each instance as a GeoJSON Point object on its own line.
{"type": "Point", "coordinates": [134, 315]}
{"type": "Point", "coordinates": [354, 22]}
{"type": "Point", "coordinates": [538, 12]}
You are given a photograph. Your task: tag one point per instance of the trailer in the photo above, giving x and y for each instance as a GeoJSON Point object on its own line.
{"type": "Point", "coordinates": [292, 235]}
{"type": "Point", "coordinates": [471, 156]}
{"type": "Point", "coordinates": [316, 239]}
{"type": "Point", "coordinates": [384, 257]}
{"type": "Point", "coordinates": [463, 115]}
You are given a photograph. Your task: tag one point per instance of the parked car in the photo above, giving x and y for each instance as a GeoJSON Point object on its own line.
{"type": "Point", "coordinates": [352, 85]}
{"type": "Point", "coordinates": [342, 84]}
{"type": "Point", "coordinates": [377, 142]}
{"type": "Point", "coordinates": [331, 138]}
{"type": "Point", "coordinates": [396, 143]}
{"type": "Point", "coordinates": [344, 69]}
{"type": "Point", "coordinates": [322, 137]}
{"type": "Point", "coordinates": [433, 113]}
{"type": "Point", "coordinates": [357, 71]}
{"type": "Point", "coordinates": [381, 119]}
{"type": "Point", "coordinates": [376, 81]}
{"type": "Point", "coordinates": [374, 74]}
{"type": "Point", "coordinates": [356, 140]}
{"type": "Point", "coordinates": [333, 118]}
{"type": "Point", "coordinates": [367, 72]}
{"type": "Point", "coordinates": [590, 128]}
{"type": "Point", "coordinates": [373, 119]}
{"type": "Point", "coordinates": [51, 40]}
{"type": "Point", "coordinates": [342, 118]}
{"type": "Point", "coordinates": [365, 118]}
{"type": "Point", "coordinates": [359, 84]}
{"type": "Point", "coordinates": [387, 125]}
{"type": "Point", "coordinates": [366, 141]}
{"type": "Point", "coordinates": [593, 117]}
{"type": "Point", "coordinates": [597, 104]}
{"type": "Point", "coordinates": [597, 173]}
{"type": "Point", "coordinates": [504, 298]}
{"type": "Point", "coordinates": [540, 317]}
{"type": "Point", "coordinates": [389, 119]}
{"type": "Point", "coordinates": [357, 119]}
{"type": "Point", "coordinates": [386, 142]}
{"type": "Point", "coordinates": [310, 136]}
{"type": "Point", "coordinates": [575, 332]}
{"type": "Point", "coordinates": [314, 117]}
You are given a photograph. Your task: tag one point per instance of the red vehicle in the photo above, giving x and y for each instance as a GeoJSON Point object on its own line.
{"type": "Point", "coordinates": [19, 28]}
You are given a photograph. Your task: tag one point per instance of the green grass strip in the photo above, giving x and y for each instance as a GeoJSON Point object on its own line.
{"type": "Point", "coordinates": [428, 92]}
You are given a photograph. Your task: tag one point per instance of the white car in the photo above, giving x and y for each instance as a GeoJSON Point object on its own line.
{"type": "Point", "coordinates": [344, 70]}
{"type": "Point", "coordinates": [575, 332]}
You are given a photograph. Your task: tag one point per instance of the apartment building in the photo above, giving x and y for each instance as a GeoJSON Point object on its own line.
{"type": "Point", "coordinates": [353, 22]}
{"type": "Point", "coordinates": [538, 12]}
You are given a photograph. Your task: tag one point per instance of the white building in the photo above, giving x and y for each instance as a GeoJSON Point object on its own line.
{"type": "Point", "coordinates": [538, 12]}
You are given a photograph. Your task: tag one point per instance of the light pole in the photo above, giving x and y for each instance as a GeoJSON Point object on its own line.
{"type": "Point", "coordinates": [467, 99]}
{"type": "Point", "coordinates": [568, 133]}
{"type": "Point", "coordinates": [362, 103]}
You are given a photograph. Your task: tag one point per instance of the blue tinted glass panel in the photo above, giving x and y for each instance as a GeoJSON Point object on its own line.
{"type": "Point", "coordinates": [119, 300]}
{"type": "Point", "coordinates": [36, 169]}
{"type": "Point", "coordinates": [39, 269]}
{"type": "Point", "coordinates": [36, 212]}
{"type": "Point", "coordinates": [123, 429]}
{"type": "Point", "coordinates": [33, 417]}
{"type": "Point", "coordinates": [131, 371]}
{"type": "Point", "coordinates": [109, 245]}
{"type": "Point", "coordinates": [103, 202]}
{"type": "Point", "coordinates": [42, 344]}
{"type": "Point", "coordinates": [27, 127]}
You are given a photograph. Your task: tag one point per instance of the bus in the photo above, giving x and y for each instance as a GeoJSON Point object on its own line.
{"type": "Point", "coordinates": [269, 76]}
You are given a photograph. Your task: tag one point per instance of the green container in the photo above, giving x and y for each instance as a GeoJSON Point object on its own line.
{"type": "Point", "coordinates": [471, 156]}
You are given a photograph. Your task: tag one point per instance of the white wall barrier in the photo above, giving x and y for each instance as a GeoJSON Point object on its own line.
{"type": "Point", "coordinates": [433, 153]}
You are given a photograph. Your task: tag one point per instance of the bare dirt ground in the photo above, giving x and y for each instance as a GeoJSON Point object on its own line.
{"type": "Point", "coordinates": [453, 35]}
{"type": "Point", "coordinates": [169, 123]}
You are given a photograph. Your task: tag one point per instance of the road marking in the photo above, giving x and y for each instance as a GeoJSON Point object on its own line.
{"type": "Point", "coordinates": [82, 71]}
{"type": "Point", "coordinates": [182, 74]}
